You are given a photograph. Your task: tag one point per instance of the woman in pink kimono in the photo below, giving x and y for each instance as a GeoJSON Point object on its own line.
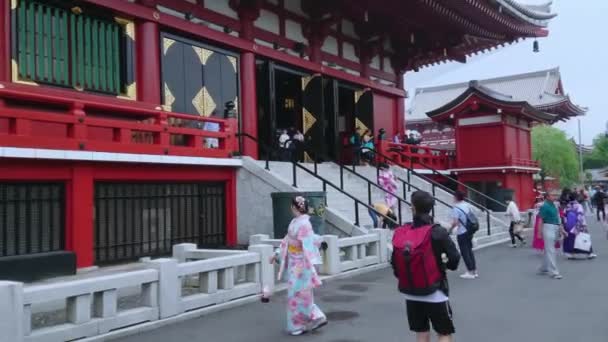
{"type": "Point", "coordinates": [299, 253]}
{"type": "Point", "coordinates": [386, 179]}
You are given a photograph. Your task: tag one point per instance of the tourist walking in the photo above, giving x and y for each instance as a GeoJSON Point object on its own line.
{"type": "Point", "coordinates": [551, 230]}
{"type": "Point", "coordinates": [388, 182]}
{"type": "Point", "coordinates": [460, 216]}
{"type": "Point", "coordinates": [298, 255]}
{"type": "Point", "coordinates": [586, 201]}
{"type": "Point", "coordinates": [599, 199]}
{"type": "Point", "coordinates": [422, 252]}
{"type": "Point", "coordinates": [515, 217]}
{"type": "Point", "coordinates": [575, 226]}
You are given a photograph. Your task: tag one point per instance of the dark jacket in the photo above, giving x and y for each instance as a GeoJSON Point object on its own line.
{"type": "Point", "coordinates": [599, 198]}
{"type": "Point", "coordinates": [441, 243]}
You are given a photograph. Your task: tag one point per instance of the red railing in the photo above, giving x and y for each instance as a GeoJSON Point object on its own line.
{"type": "Point", "coordinates": [415, 156]}
{"type": "Point", "coordinates": [523, 162]}
{"type": "Point", "coordinates": [57, 119]}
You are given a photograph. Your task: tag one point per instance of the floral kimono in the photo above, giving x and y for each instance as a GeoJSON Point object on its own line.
{"type": "Point", "coordinates": [299, 252]}
{"type": "Point", "coordinates": [387, 181]}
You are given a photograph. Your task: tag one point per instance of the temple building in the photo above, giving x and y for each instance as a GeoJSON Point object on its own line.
{"type": "Point", "coordinates": [119, 119]}
{"type": "Point", "coordinates": [487, 125]}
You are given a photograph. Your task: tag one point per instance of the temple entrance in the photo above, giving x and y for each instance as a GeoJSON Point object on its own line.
{"type": "Point", "coordinates": [324, 110]}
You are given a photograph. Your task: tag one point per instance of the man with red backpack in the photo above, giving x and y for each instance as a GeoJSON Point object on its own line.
{"type": "Point", "coordinates": [422, 251]}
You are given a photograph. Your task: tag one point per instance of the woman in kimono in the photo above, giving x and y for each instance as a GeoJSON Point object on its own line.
{"type": "Point", "coordinates": [574, 224]}
{"type": "Point", "coordinates": [298, 255]}
{"type": "Point", "coordinates": [386, 179]}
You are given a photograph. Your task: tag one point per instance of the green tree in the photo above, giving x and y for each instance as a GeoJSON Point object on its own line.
{"type": "Point", "coordinates": [556, 154]}
{"type": "Point", "coordinates": [598, 158]}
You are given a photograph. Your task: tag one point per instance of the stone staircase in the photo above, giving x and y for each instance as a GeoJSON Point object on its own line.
{"type": "Point", "coordinates": [358, 188]}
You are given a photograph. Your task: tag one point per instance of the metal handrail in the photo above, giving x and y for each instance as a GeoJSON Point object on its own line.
{"type": "Point", "coordinates": [324, 181]}
{"type": "Point", "coordinates": [434, 171]}
{"type": "Point", "coordinates": [434, 184]}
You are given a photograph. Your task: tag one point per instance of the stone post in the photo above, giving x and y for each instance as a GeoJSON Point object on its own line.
{"type": "Point", "coordinates": [11, 311]}
{"type": "Point", "coordinates": [257, 239]}
{"type": "Point", "coordinates": [181, 250]}
{"type": "Point", "coordinates": [169, 287]}
{"type": "Point", "coordinates": [382, 244]}
{"type": "Point", "coordinates": [266, 268]}
{"type": "Point", "coordinates": [331, 261]}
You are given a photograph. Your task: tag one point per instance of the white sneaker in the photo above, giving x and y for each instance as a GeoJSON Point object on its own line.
{"type": "Point", "coordinates": [319, 323]}
{"type": "Point", "coordinates": [467, 275]}
{"type": "Point", "coordinates": [592, 256]}
{"type": "Point", "coordinates": [296, 333]}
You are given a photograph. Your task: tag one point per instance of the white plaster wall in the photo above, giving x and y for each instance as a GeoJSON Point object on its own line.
{"type": "Point", "coordinates": [330, 46]}
{"type": "Point", "coordinates": [295, 6]}
{"type": "Point", "coordinates": [268, 21]}
{"type": "Point", "coordinates": [348, 50]}
{"type": "Point", "coordinates": [375, 62]}
{"type": "Point", "coordinates": [348, 28]}
{"type": "Point", "coordinates": [352, 72]}
{"type": "Point", "coordinates": [293, 31]}
{"type": "Point", "coordinates": [264, 43]}
{"type": "Point", "coordinates": [221, 6]}
{"type": "Point", "coordinates": [388, 67]}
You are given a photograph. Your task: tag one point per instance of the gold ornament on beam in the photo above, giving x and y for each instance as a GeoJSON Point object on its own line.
{"type": "Point", "coordinates": [308, 119]}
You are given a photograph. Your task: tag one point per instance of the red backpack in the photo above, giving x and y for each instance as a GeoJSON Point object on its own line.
{"type": "Point", "coordinates": [415, 264]}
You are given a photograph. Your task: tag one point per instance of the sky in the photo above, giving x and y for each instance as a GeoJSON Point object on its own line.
{"type": "Point", "coordinates": [577, 44]}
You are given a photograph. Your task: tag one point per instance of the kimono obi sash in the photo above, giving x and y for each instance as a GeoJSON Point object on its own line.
{"type": "Point", "coordinates": [294, 249]}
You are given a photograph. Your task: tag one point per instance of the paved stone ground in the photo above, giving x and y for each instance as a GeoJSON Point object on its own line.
{"type": "Point", "coordinates": [509, 302]}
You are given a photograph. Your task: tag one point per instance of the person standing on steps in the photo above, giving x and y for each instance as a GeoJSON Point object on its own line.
{"type": "Point", "coordinates": [460, 213]}
{"type": "Point", "coordinates": [298, 255]}
{"type": "Point", "coordinates": [355, 143]}
{"type": "Point", "coordinates": [552, 229]}
{"type": "Point", "coordinates": [422, 252]}
{"type": "Point", "coordinates": [388, 182]}
{"type": "Point", "coordinates": [515, 217]}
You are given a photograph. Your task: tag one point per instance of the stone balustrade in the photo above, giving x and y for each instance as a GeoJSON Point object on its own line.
{"type": "Point", "coordinates": [193, 279]}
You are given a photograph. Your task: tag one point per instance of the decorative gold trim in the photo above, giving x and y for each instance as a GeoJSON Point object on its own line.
{"type": "Point", "coordinates": [307, 158]}
{"type": "Point", "coordinates": [232, 61]}
{"type": "Point", "coordinates": [167, 42]}
{"type": "Point", "coordinates": [76, 10]}
{"type": "Point", "coordinates": [166, 108]}
{"type": "Point", "coordinates": [361, 125]}
{"type": "Point", "coordinates": [169, 98]}
{"type": "Point", "coordinates": [358, 95]}
{"type": "Point", "coordinates": [199, 102]}
{"type": "Point", "coordinates": [129, 26]}
{"type": "Point", "coordinates": [205, 55]}
{"type": "Point", "coordinates": [208, 103]}
{"type": "Point", "coordinates": [15, 74]}
{"type": "Point", "coordinates": [308, 120]}
{"type": "Point", "coordinates": [305, 81]}
{"type": "Point", "coordinates": [131, 92]}
{"type": "Point", "coordinates": [14, 4]}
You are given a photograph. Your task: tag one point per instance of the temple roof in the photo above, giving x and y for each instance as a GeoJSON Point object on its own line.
{"type": "Point", "coordinates": [428, 32]}
{"type": "Point", "coordinates": [542, 91]}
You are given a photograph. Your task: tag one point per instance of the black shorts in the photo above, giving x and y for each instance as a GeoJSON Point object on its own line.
{"type": "Point", "coordinates": [420, 315]}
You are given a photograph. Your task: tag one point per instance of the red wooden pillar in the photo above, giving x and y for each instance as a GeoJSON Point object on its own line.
{"type": "Point", "coordinates": [249, 113]}
{"type": "Point", "coordinates": [5, 35]}
{"type": "Point", "coordinates": [231, 208]}
{"type": "Point", "coordinates": [400, 104]}
{"type": "Point", "coordinates": [147, 52]}
{"type": "Point", "coordinates": [249, 102]}
{"type": "Point", "coordinates": [79, 213]}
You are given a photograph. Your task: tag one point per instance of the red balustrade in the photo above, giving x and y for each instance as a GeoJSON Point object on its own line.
{"type": "Point", "coordinates": [523, 162]}
{"type": "Point", "coordinates": [59, 119]}
{"type": "Point", "coordinates": [418, 157]}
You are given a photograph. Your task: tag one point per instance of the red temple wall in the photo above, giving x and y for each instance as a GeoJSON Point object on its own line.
{"type": "Point", "coordinates": [480, 146]}
{"type": "Point", "coordinates": [385, 114]}
{"type": "Point", "coordinates": [79, 179]}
